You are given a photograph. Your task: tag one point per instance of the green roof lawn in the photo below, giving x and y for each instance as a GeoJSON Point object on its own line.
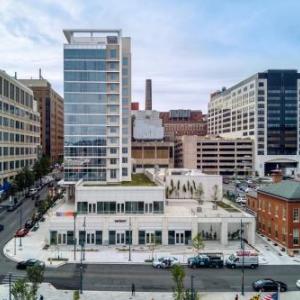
{"type": "Point", "coordinates": [138, 180]}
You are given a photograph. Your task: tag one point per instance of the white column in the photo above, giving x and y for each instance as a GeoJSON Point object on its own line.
{"type": "Point", "coordinates": [105, 230]}
{"type": "Point", "coordinates": [135, 231]}
{"type": "Point", "coordinates": [164, 231]}
{"type": "Point", "coordinates": [251, 233]}
{"type": "Point", "coordinates": [224, 233]}
{"type": "Point", "coordinates": [194, 227]}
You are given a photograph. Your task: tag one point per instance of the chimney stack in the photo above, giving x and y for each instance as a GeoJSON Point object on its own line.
{"type": "Point", "coordinates": [276, 176]}
{"type": "Point", "coordinates": [16, 75]}
{"type": "Point", "coordinates": [40, 74]}
{"type": "Point", "coordinates": [148, 95]}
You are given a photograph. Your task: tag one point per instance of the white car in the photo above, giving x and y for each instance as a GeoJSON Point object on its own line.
{"type": "Point", "coordinates": [32, 191]}
{"type": "Point", "coordinates": [241, 200]}
{"type": "Point", "coordinates": [298, 283]}
{"type": "Point", "coordinates": [165, 262]}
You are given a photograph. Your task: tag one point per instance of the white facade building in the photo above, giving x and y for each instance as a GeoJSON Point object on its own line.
{"type": "Point", "coordinates": [147, 125]}
{"type": "Point", "coordinates": [139, 215]}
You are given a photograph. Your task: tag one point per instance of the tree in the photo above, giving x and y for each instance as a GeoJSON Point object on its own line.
{"type": "Point", "coordinates": [167, 192]}
{"type": "Point", "coordinates": [152, 246]}
{"type": "Point", "coordinates": [199, 193]}
{"type": "Point", "coordinates": [178, 275]}
{"type": "Point", "coordinates": [179, 292]}
{"type": "Point", "coordinates": [29, 177]}
{"type": "Point", "coordinates": [198, 243]}
{"type": "Point", "coordinates": [76, 295]}
{"type": "Point", "coordinates": [35, 275]}
{"type": "Point", "coordinates": [215, 193]}
{"type": "Point", "coordinates": [178, 185]}
{"type": "Point", "coordinates": [21, 290]}
{"type": "Point", "coordinates": [184, 188]}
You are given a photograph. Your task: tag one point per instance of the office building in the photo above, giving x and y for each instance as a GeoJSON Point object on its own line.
{"type": "Point", "coordinates": [51, 108]}
{"type": "Point", "coordinates": [148, 95]}
{"type": "Point", "coordinates": [149, 148]}
{"type": "Point", "coordinates": [215, 155]}
{"type": "Point", "coordinates": [264, 107]}
{"type": "Point", "coordinates": [277, 209]}
{"type": "Point", "coordinates": [19, 127]}
{"type": "Point", "coordinates": [184, 122]}
{"type": "Point", "coordinates": [97, 112]}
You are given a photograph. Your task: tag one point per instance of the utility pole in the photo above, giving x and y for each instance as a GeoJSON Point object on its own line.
{"type": "Point", "coordinates": [74, 236]}
{"type": "Point", "coordinates": [243, 258]}
{"type": "Point", "coordinates": [9, 286]}
{"type": "Point", "coordinates": [83, 244]}
{"type": "Point", "coordinates": [130, 240]}
{"type": "Point", "coordinates": [20, 212]}
{"type": "Point", "coordinates": [81, 271]}
{"type": "Point", "coordinates": [192, 288]}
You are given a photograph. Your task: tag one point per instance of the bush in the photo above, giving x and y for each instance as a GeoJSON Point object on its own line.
{"type": "Point", "coordinates": [76, 295]}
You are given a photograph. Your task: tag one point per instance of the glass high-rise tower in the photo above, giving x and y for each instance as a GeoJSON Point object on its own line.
{"type": "Point", "coordinates": [97, 98]}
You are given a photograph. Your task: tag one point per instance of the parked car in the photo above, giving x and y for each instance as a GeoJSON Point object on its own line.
{"type": "Point", "coordinates": [1, 227]}
{"type": "Point", "coordinates": [21, 232]}
{"type": "Point", "coordinates": [269, 285]}
{"type": "Point", "coordinates": [35, 227]}
{"type": "Point", "coordinates": [29, 224]}
{"type": "Point", "coordinates": [206, 261]}
{"type": "Point", "coordinates": [241, 200]}
{"type": "Point", "coordinates": [33, 191]}
{"type": "Point", "coordinates": [30, 263]}
{"type": "Point", "coordinates": [243, 258]}
{"type": "Point", "coordinates": [165, 262]}
{"type": "Point", "coordinates": [298, 283]}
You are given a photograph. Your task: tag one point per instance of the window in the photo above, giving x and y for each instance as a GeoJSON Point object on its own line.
{"type": "Point", "coordinates": [296, 215]}
{"type": "Point", "coordinates": [276, 211]}
{"type": "Point", "coordinates": [113, 174]}
{"type": "Point", "coordinates": [113, 53]}
{"type": "Point", "coordinates": [269, 207]}
{"type": "Point", "coordinates": [124, 150]}
{"type": "Point", "coordinates": [124, 172]}
{"type": "Point", "coordinates": [113, 161]}
{"type": "Point", "coordinates": [113, 150]}
{"type": "Point", "coordinates": [296, 236]}
{"type": "Point", "coordinates": [82, 207]}
{"type": "Point", "coordinates": [283, 213]}
{"type": "Point", "coordinates": [124, 160]}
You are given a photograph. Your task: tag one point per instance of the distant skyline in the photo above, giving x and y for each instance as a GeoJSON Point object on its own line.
{"type": "Point", "coordinates": [188, 48]}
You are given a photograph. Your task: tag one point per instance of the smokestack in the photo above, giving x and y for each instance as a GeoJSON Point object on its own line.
{"type": "Point", "coordinates": [16, 75]}
{"type": "Point", "coordinates": [40, 74]}
{"type": "Point", "coordinates": [148, 95]}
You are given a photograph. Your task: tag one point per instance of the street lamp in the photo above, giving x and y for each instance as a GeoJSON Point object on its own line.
{"type": "Point", "coordinates": [20, 215]}
{"type": "Point", "coordinates": [243, 258]}
{"type": "Point", "coordinates": [130, 240]}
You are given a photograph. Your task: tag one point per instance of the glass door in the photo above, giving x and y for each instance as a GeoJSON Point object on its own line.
{"type": "Point", "coordinates": [120, 238]}
{"type": "Point", "coordinates": [179, 238]}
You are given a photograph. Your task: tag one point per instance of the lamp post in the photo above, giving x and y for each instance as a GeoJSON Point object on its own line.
{"type": "Point", "coordinates": [21, 217]}
{"type": "Point", "coordinates": [83, 243]}
{"type": "Point", "coordinates": [74, 235]}
{"type": "Point", "coordinates": [243, 258]}
{"type": "Point", "coordinates": [130, 240]}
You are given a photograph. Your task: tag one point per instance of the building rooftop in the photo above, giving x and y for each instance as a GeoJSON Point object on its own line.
{"type": "Point", "coordinates": [138, 180]}
{"type": "Point", "coordinates": [287, 189]}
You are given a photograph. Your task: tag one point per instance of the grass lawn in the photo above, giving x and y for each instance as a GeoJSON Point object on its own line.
{"type": "Point", "coordinates": [138, 180]}
{"type": "Point", "coordinates": [227, 206]}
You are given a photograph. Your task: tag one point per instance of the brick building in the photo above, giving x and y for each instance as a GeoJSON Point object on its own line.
{"type": "Point", "coordinates": [51, 109]}
{"type": "Point", "coordinates": [277, 208]}
{"type": "Point", "coordinates": [184, 122]}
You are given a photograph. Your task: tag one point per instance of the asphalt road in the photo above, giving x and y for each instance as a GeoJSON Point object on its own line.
{"type": "Point", "coordinates": [120, 277]}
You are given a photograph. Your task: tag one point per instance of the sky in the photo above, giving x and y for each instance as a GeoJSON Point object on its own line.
{"type": "Point", "coordinates": [189, 48]}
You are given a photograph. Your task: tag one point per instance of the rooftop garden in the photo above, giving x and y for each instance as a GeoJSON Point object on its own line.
{"type": "Point", "coordinates": [138, 180]}
{"type": "Point", "coordinates": [227, 207]}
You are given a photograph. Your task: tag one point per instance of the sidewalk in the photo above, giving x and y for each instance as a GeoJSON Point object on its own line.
{"type": "Point", "coordinates": [51, 293]}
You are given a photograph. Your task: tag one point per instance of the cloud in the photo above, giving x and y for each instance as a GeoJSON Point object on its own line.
{"type": "Point", "coordinates": [188, 48]}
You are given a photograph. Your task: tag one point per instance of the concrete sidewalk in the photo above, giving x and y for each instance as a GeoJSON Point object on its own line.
{"type": "Point", "coordinates": [51, 293]}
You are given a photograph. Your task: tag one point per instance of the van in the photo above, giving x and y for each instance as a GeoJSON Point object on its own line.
{"type": "Point", "coordinates": [245, 258]}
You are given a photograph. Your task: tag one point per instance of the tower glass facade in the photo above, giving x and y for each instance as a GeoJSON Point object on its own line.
{"type": "Point", "coordinates": [96, 136]}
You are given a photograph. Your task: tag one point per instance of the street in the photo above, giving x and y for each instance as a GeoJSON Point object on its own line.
{"type": "Point", "coordinates": [121, 276]}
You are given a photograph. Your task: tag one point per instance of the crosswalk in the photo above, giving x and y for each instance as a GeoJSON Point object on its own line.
{"type": "Point", "coordinates": [10, 278]}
